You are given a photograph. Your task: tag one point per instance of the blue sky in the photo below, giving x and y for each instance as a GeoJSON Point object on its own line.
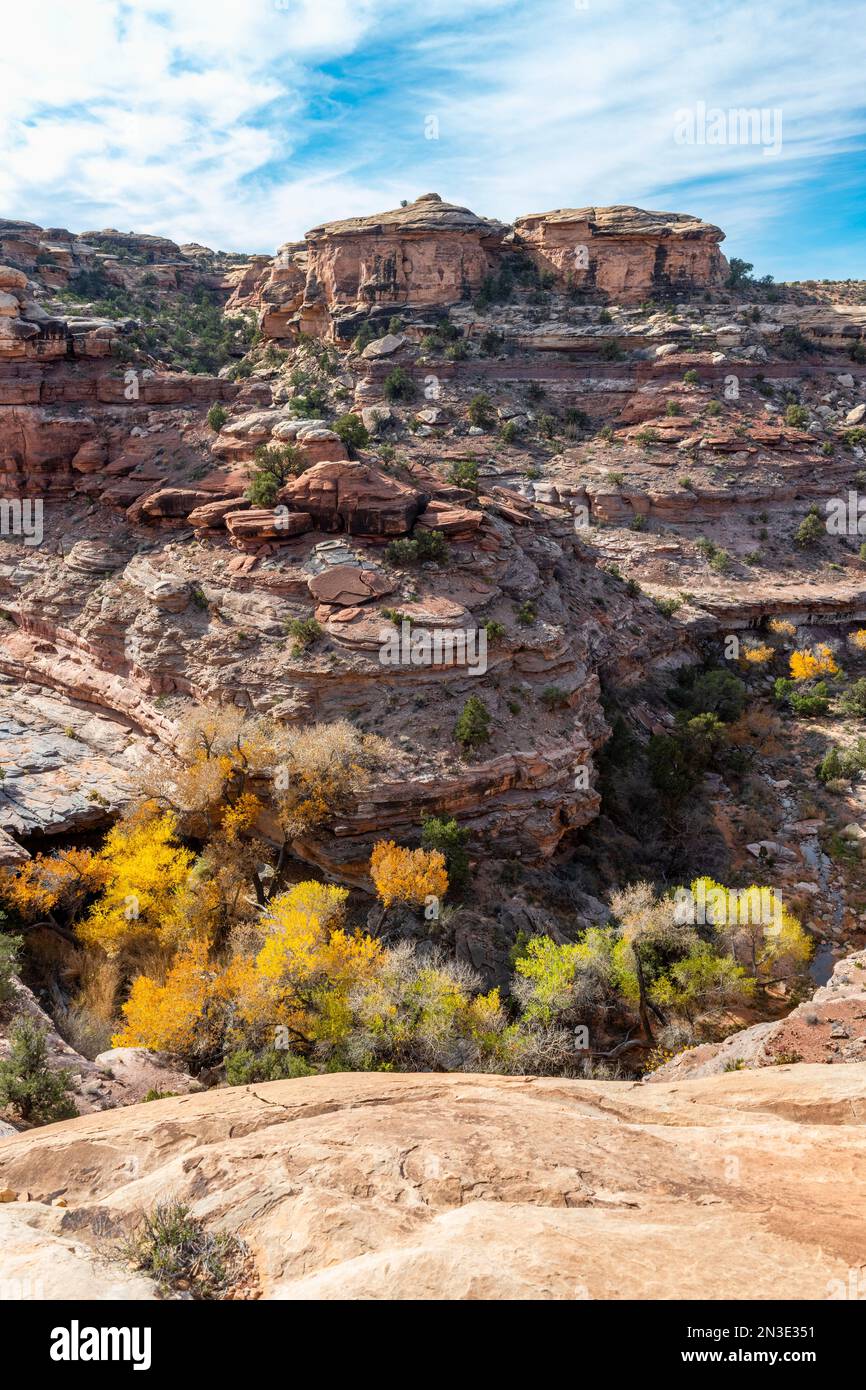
{"type": "Point", "coordinates": [242, 123]}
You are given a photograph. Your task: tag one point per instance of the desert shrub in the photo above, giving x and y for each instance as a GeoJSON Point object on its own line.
{"type": "Point", "coordinates": [490, 343]}
{"type": "Point", "coordinates": [480, 411]}
{"type": "Point", "coordinates": [28, 1085]}
{"type": "Point", "coordinates": [305, 631]}
{"type": "Point", "coordinates": [363, 337]}
{"type": "Point", "coordinates": [854, 699]}
{"type": "Point", "coordinates": [720, 561]}
{"type": "Point", "coordinates": [553, 697]}
{"type": "Point", "coordinates": [352, 431]}
{"type": "Point", "coordinates": [810, 702]}
{"type": "Point", "coordinates": [10, 947]}
{"type": "Point", "coordinates": [691, 377]}
{"type": "Point", "coordinates": [173, 1247]}
{"type": "Point", "coordinates": [508, 432]}
{"type": "Point", "coordinates": [526, 614]}
{"type": "Point", "coordinates": [473, 724]}
{"type": "Point", "coordinates": [464, 473]}
{"type": "Point", "coordinates": [449, 839]}
{"type": "Point", "coordinates": [718, 692]}
{"type": "Point", "coordinates": [844, 764]}
{"type": "Point", "coordinates": [246, 1068]}
{"type": "Point", "coordinates": [398, 385]}
{"type": "Point", "coordinates": [274, 466]}
{"type": "Point", "coordinates": [677, 761]}
{"type": "Point", "coordinates": [667, 606]}
{"type": "Point", "coordinates": [574, 422]}
{"type": "Point", "coordinates": [424, 546]}
{"type": "Point", "coordinates": [796, 415]}
{"type": "Point", "coordinates": [495, 631]}
{"type": "Point", "coordinates": [217, 416]}
{"type": "Point", "coordinates": [811, 530]}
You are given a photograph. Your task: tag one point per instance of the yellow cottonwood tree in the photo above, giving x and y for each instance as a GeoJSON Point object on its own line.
{"type": "Point", "coordinates": [407, 875]}
{"type": "Point", "coordinates": [147, 889]}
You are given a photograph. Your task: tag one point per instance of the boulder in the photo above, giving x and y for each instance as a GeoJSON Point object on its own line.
{"type": "Point", "coordinates": [212, 515]}
{"type": "Point", "coordinates": [260, 524]}
{"type": "Point", "coordinates": [459, 523]}
{"type": "Point", "coordinates": [347, 585]}
{"type": "Point", "coordinates": [384, 347]}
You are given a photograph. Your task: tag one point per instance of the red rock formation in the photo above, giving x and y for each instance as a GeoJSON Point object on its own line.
{"type": "Point", "coordinates": [624, 253]}
{"type": "Point", "coordinates": [427, 253]}
{"type": "Point", "coordinates": [354, 497]}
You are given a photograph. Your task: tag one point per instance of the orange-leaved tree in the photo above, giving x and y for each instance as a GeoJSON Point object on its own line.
{"type": "Point", "coordinates": [400, 875]}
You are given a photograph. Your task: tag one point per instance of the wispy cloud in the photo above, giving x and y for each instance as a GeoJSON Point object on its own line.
{"type": "Point", "coordinates": [242, 125]}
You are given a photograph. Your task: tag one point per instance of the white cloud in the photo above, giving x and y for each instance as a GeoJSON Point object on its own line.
{"type": "Point", "coordinates": [219, 121]}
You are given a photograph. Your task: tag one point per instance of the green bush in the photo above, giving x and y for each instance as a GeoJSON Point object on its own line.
{"type": "Point", "coordinates": [424, 546]}
{"type": "Point", "coordinates": [678, 761]}
{"type": "Point", "coordinates": [495, 631]}
{"type": "Point", "coordinates": [473, 724]}
{"type": "Point", "coordinates": [554, 697]}
{"type": "Point", "coordinates": [274, 467]}
{"type": "Point", "coordinates": [811, 530]}
{"type": "Point", "coordinates": [810, 702]}
{"type": "Point", "coordinates": [464, 473]}
{"type": "Point", "coordinates": [363, 337]}
{"type": "Point", "coordinates": [691, 377]}
{"type": "Point", "coordinates": [352, 431]}
{"type": "Point", "coordinates": [28, 1086]}
{"type": "Point", "coordinates": [10, 947]}
{"type": "Point", "coordinates": [797, 416]}
{"type": "Point", "coordinates": [481, 411]}
{"type": "Point", "coordinates": [305, 631]}
{"type": "Point", "coordinates": [526, 614]}
{"type": "Point", "coordinates": [448, 837]}
{"type": "Point", "coordinates": [174, 1249]}
{"type": "Point", "coordinates": [854, 699]}
{"type": "Point", "coordinates": [244, 1067]}
{"type": "Point", "coordinates": [717, 692]}
{"type": "Point", "coordinates": [398, 385]}
{"type": "Point", "coordinates": [668, 606]}
{"type": "Point", "coordinates": [217, 416]}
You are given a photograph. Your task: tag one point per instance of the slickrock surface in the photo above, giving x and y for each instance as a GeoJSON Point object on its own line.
{"type": "Point", "coordinates": [471, 1187]}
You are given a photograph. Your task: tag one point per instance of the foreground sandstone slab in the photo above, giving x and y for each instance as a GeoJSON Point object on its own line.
{"type": "Point", "coordinates": [748, 1184]}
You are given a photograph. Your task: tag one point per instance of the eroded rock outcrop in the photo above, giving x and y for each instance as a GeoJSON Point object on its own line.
{"type": "Point", "coordinates": [427, 253]}
{"type": "Point", "coordinates": [626, 254]}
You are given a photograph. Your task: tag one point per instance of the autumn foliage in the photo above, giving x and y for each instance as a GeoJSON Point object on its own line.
{"type": "Point", "coordinates": [809, 663]}
{"type": "Point", "coordinates": [407, 875]}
